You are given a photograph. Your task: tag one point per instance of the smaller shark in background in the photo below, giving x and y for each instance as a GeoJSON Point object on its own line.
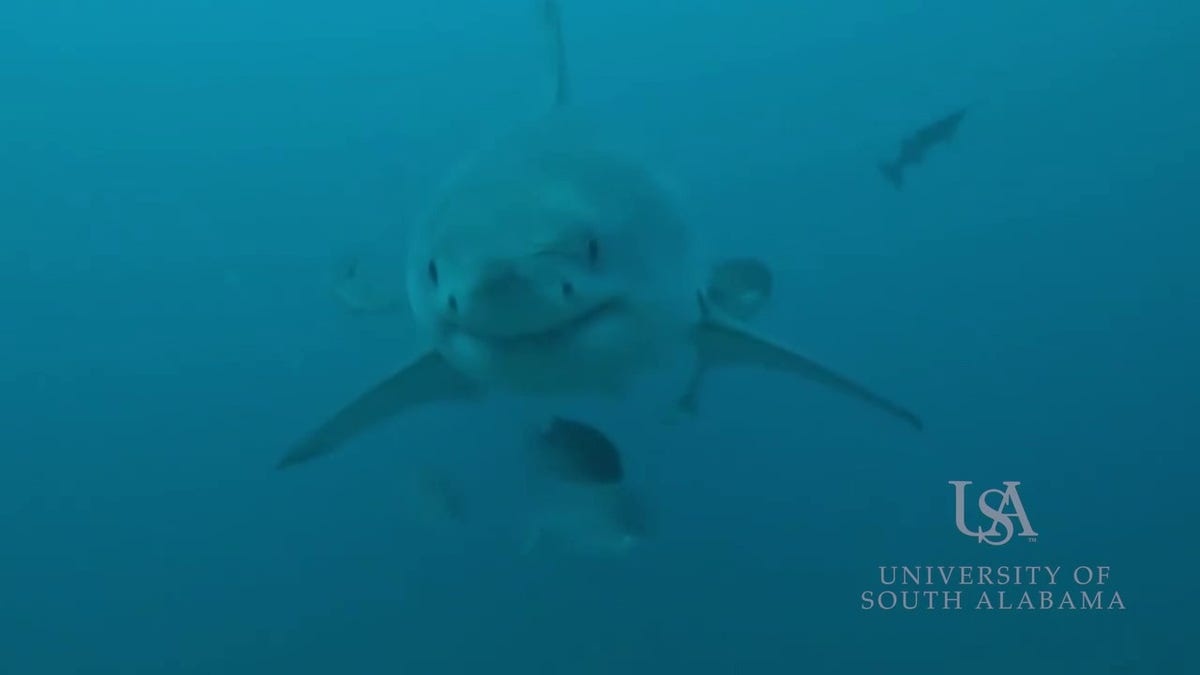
{"type": "Point", "coordinates": [913, 148]}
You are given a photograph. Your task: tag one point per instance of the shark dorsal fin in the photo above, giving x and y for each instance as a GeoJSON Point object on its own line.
{"type": "Point", "coordinates": [558, 52]}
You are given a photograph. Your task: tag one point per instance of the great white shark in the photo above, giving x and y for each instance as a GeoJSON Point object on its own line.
{"type": "Point", "coordinates": [551, 266]}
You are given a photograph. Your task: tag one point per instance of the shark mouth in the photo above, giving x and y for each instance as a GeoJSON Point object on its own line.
{"type": "Point", "coordinates": [549, 336]}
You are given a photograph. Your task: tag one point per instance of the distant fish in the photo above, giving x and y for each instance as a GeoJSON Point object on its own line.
{"type": "Point", "coordinates": [916, 145]}
{"type": "Point", "coordinates": [577, 453]}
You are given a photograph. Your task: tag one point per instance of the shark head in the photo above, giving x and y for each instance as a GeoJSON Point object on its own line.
{"type": "Point", "coordinates": [504, 271]}
{"type": "Point", "coordinates": [545, 264]}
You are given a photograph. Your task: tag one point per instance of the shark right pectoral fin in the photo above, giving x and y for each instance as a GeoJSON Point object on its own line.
{"type": "Point", "coordinates": [722, 341]}
{"type": "Point", "coordinates": [428, 379]}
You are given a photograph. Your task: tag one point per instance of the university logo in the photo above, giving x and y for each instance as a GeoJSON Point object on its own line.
{"type": "Point", "coordinates": [997, 510]}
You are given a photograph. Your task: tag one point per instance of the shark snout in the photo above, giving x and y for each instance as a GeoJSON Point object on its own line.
{"type": "Point", "coordinates": [506, 301]}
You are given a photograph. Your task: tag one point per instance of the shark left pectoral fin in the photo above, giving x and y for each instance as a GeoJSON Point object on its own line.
{"type": "Point", "coordinates": [722, 341]}
{"type": "Point", "coordinates": [428, 379]}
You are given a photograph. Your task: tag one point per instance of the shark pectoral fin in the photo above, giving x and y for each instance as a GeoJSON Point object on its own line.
{"type": "Point", "coordinates": [722, 341]}
{"type": "Point", "coordinates": [428, 379]}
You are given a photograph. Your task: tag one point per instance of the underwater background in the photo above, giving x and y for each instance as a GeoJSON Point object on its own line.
{"type": "Point", "coordinates": [180, 182]}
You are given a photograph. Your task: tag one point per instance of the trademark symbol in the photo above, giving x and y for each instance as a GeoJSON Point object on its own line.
{"type": "Point", "coordinates": [1033, 540]}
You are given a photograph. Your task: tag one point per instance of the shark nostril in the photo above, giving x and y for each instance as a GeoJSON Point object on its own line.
{"type": "Point", "coordinates": [452, 303]}
{"type": "Point", "coordinates": [568, 289]}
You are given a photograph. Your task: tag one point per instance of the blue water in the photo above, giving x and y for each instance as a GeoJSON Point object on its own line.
{"type": "Point", "coordinates": [178, 182]}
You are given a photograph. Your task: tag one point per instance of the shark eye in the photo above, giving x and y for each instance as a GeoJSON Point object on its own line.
{"type": "Point", "coordinates": [593, 251]}
{"type": "Point", "coordinates": [433, 272]}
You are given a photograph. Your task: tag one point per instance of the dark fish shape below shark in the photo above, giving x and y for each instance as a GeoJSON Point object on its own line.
{"type": "Point", "coordinates": [578, 453]}
{"type": "Point", "coordinates": [914, 148]}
